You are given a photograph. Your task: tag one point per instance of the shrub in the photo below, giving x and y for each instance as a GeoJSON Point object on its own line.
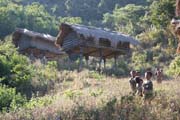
{"type": "Point", "coordinates": [72, 94]}
{"type": "Point", "coordinates": [95, 75]}
{"type": "Point", "coordinates": [15, 69]}
{"type": "Point", "coordinates": [17, 72]}
{"type": "Point", "coordinates": [38, 102]}
{"type": "Point", "coordinates": [44, 77]}
{"type": "Point", "coordinates": [9, 99]}
{"type": "Point", "coordinates": [174, 68]}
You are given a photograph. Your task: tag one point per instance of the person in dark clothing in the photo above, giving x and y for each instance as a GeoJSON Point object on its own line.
{"type": "Point", "coordinates": [139, 83]}
{"type": "Point", "coordinates": [133, 82]}
{"type": "Point", "coordinates": [148, 87]}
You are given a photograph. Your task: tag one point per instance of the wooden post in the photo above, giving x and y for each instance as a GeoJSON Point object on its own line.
{"type": "Point", "coordinates": [44, 60]}
{"type": "Point", "coordinates": [87, 58]}
{"type": "Point", "coordinates": [32, 57]}
{"type": "Point", "coordinates": [100, 60]}
{"type": "Point", "coordinates": [69, 63]}
{"type": "Point", "coordinates": [80, 59]}
{"type": "Point", "coordinates": [115, 61]}
{"type": "Point", "coordinates": [104, 59]}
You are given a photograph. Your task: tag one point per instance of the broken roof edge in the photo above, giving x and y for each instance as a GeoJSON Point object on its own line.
{"type": "Point", "coordinates": [41, 39]}
{"type": "Point", "coordinates": [98, 33]}
{"type": "Point", "coordinates": [30, 33]}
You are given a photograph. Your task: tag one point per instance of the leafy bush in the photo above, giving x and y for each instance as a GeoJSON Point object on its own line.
{"type": "Point", "coordinates": [174, 68]}
{"type": "Point", "coordinates": [44, 77]}
{"type": "Point", "coordinates": [15, 69]}
{"type": "Point", "coordinates": [153, 37]}
{"type": "Point", "coordinates": [72, 94]}
{"type": "Point", "coordinates": [33, 16]}
{"type": "Point", "coordinates": [38, 102]}
{"type": "Point", "coordinates": [95, 75]}
{"type": "Point", "coordinates": [9, 99]}
{"type": "Point", "coordinates": [161, 12]}
{"type": "Point", "coordinates": [125, 19]}
{"type": "Point", "coordinates": [72, 20]}
{"type": "Point", "coordinates": [17, 72]}
{"type": "Point", "coordinates": [142, 61]}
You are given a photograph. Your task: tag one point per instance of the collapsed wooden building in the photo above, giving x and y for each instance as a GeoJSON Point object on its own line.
{"type": "Point", "coordinates": [36, 44]}
{"type": "Point", "coordinates": [74, 39]}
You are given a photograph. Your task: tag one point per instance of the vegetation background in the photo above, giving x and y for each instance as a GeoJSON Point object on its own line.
{"type": "Point", "coordinates": [57, 91]}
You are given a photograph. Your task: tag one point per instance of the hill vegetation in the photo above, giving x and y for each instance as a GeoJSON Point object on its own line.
{"type": "Point", "coordinates": [55, 90]}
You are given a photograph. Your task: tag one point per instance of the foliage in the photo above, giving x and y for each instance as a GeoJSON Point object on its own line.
{"type": "Point", "coordinates": [19, 76]}
{"type": "Point", "coordinates": [38, 102]}
{"type": "Point", "coordinates": [72, 20]}
{"type": "Point", "coordinates": [9, 99]}
{"type": "Point", "coordinates": [153, 37]}
{"type": "Point", "coordinates": [174, 68]}
{"type": "Point", "coordinates": [125, 19]}
{"type": "Point", "coordinates": [161, 12]}
{"type": "Point", "coordinates": [109, 100]}
{"type": "Point", "coordinates": [8, 17]}
{"type": "Point", "coordinates": [43, 16]}
{"type": "Point", "coordinates": [44, 77]}
{"type": "Point", "coordinates": [15, 69]}
{"type": "Point", "coordinates": [95, 75]}
{"type": "Point", "coordinates": [38, 19]}
{"type": "Point", "coordinates": [28, 90]}
{"type": "Point", "coordinates": [33, 17]}
{"type": "Point", "coordinates": [72, 94]}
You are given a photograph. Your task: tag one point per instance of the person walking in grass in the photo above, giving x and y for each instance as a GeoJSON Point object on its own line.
{"type": "Point", "coordinates": [148, 88]}
{"type": "Point", "coordinates": [133, 82]}
{"type": "Point", "coordinates": [139, 83]}
{"type": "Point", "coordinates": [159, 74]}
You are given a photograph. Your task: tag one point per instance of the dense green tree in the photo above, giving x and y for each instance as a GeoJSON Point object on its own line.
{"type": "Point", "coordinates": [38, 19]}
{"type": "Point", "coordinates": [72, 20]}
{"type": "Point", "coordinates": [87, 9]}
{"type": "Point", "coordinates": [8, 18]}
{"type": "Point", "coordinates": [15, 69]}
{"type": "Point", "coordinates": [174, 68]}
{"type": "Point", "coordinates": [161, 12]}
{"type": "Point", "coordinates": [125, 19]}
{"type": "Point", "coordinates": [33, 17]}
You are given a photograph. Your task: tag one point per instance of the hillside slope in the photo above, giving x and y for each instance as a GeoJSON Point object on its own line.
{"type": "Point", "coordinates": [90, 96]}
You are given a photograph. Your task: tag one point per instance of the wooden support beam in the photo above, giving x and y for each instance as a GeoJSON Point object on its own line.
{"type": "Point", "coordinates": [91, 52]}
{"type": "Point", "coordinates": [109, 54]}
{"type": "Point", "coordinates": [115, 61]}
{"type": "Point", "coordinates": [80, 59]}
{"type": "Point", "coordinates": [100, 59]}
{"type": "Point", "coordinates": [104, 59]}
{"type": "Point", "coordinates": [87, 59]}
{"type": "Point", "coordinates": [69, 62]}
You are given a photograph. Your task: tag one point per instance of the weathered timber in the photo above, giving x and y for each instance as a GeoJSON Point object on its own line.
{"type": "Point", "coordinates": [36, 44]}
{"type": "Point", "coordinates": [92, 39]}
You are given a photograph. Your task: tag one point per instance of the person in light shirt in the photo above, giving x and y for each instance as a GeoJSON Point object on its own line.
{"type": "Point", "coordinates": [133, 82]}
{"type": "Point", "coordinates": [159, 74]}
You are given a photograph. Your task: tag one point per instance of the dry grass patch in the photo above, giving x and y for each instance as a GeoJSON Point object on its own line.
{"type": "Point", "coordinates": [86, 96]}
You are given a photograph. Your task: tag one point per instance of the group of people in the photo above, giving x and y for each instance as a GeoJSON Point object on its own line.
{"type": "Point", "coordinates": [144, 88]}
